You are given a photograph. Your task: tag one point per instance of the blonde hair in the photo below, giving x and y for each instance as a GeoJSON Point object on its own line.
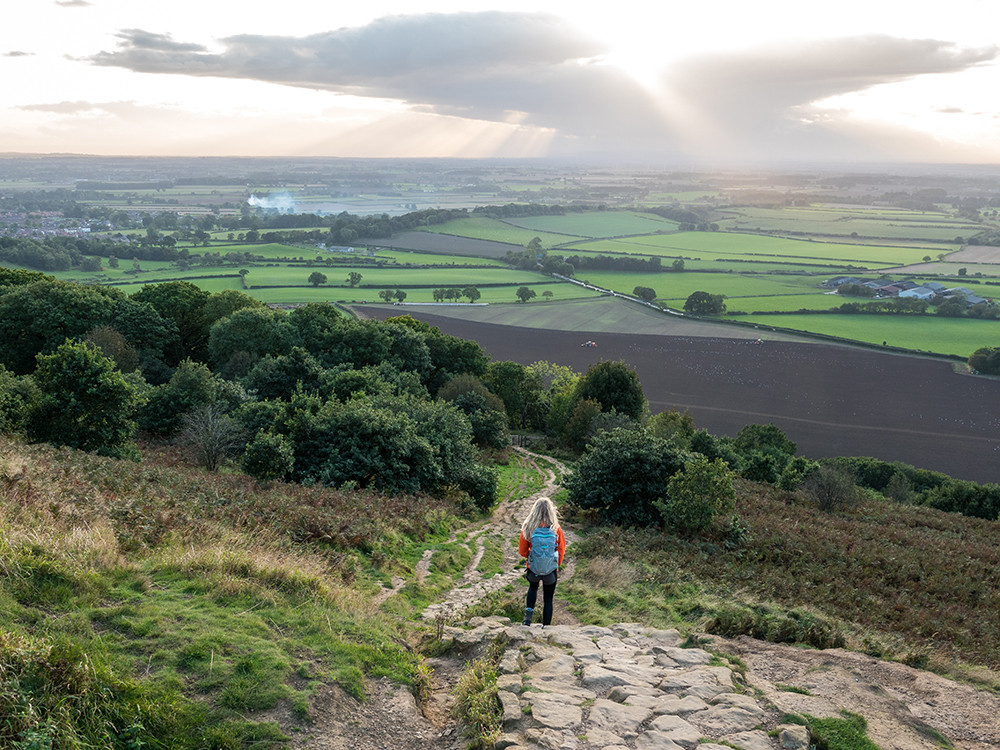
{"type": "Point", "coordinates": [543, 513]}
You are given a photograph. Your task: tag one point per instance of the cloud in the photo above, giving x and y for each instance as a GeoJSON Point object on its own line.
{"type": "Point", "coordinates": [504, 67]}
{"type": "Point", "coordinates": [72, 108]}
{"type": "Point", "coordinates": [538, 70]}
{"type": "Point", "coordinates": [18, 53]}
{"type": "Point", "coordinates": [766, 100]}
{"type": "Point", "coordinates": [73, 3]}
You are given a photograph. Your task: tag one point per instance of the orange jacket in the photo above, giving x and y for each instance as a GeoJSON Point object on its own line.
{"type": "Point", "coordinates": [524, 546]}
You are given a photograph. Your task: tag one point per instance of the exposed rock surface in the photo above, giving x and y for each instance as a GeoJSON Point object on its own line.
{"type": "Point", "coordinates": [586, 687]}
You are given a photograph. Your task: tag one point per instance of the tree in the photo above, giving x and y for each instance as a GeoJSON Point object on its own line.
{"type": "Point", "coordinates": [645, 293]}
{"type": "Point", "coordinates": [211, 435]}
{"type": "Point", "coordinates": [183, 303]}
{"type": "Point", "coordinates": [697, 494]}
{"type": "Point", "coordinates": [85, 402]}
{"type": "Point", "coordinates": [524, 293]}
{"type": "Point", "coordinates": [622, 474]}
{"type": "Point", "coordinates": [255, 330]}
{"type": "Point", "coordinates": [548, 294]}
{"type": "Point", "coordinates": [614, 385]}
{"type": "Point", "coordinates": [354, 278]}
{"type": "Point", "coordinates": [316, 278]}
{"type": "Point", "coordinates": [520, 389]}
{"type": "Point", "coordinates": [703, 303]}
{"type": "Point", "coordinates": [225, 303]}
{"type": "Point", "coordinates": [986, 360]}
{"type": "Point", "coordinates": [37, 318]}
{"type": "Point", "coordinates": [400, 295]}
{"type": "Point", "coordinates": [472, 293]}
{"type": "Point", "coordinates": [677, 265]}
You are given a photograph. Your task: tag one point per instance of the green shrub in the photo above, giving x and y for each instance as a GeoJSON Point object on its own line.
{"type": "Point", "coordinates": [268, 456]}
{"type": "Point", "coordinates": [696, 494]}
{"type": "Point", "coordinates": [622, 474]}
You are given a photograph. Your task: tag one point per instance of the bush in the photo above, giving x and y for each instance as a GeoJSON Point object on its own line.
{"type": "Point", "coordinates": [85, 402]}
{"type": "Point", "coordinates": [622, 474]}
{"type": "Point", "coordinates": [967, 498]}
{"type": "Point", "coordinates": [831, 488]}
{"type": "Point", "coordinates": [696, 494]}
{"type": "Point", "coordinates": [268, 456]}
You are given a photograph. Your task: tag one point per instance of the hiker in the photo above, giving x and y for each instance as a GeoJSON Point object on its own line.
{"type": "Point", "coordinates": [543, 544]}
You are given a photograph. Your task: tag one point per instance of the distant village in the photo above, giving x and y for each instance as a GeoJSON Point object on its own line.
{"type": "Point", "coordinates": [927, 291]}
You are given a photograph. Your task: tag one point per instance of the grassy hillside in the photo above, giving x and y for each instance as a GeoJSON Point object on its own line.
{"type": "Point", "coordinates": [151, 600]}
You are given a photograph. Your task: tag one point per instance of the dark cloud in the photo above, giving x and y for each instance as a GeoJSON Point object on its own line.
{"type": "Point", "coordinates": [145, 43]}
{"type": "Point", "coordinates": [537, 69]}
{"type": "Point", "coordinates": [534, 68]}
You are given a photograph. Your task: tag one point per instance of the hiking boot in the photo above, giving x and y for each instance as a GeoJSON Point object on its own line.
{"type": "Point", "coordinates": [528, 612]}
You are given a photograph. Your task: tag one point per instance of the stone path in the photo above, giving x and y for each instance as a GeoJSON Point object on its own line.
{"type": "Point", "coordinates": [620, 688]}
{"type": "Point", "coordinates": [503, 527]}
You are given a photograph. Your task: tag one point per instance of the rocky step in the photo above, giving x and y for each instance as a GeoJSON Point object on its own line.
{"type": "Point", "coordinates": [625, 687]}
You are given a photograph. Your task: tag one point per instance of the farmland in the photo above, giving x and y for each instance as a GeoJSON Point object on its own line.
{"type": "Point", "coordinates": [830, 400]}
{"type": "Point", "coordinates": [765, 249]}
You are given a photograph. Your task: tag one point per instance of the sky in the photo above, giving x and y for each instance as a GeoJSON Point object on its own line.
{"type": "Point", "coordinates": [699, 84]}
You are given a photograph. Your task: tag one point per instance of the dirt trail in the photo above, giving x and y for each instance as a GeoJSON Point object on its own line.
{"type": "Point", "coordinates": [906, 709]}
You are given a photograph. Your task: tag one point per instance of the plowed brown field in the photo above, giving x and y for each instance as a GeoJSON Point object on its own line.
{"type": "Point", "coordinates": [831, 400]}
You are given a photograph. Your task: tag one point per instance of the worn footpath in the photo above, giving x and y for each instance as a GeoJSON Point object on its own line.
{"type": "Point", "coordinates": [627, 686]}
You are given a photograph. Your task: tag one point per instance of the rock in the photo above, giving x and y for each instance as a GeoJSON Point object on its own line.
{"type": "Point", "coordinates": [721, 720]}
{"type": "Point", "coordinates": [755, 740]}
{"type": "Point", "coordinates": [688, 657]}
{"type": "Point", "coordinates": [600, 678]}
{"type": "Point", "coordinates": [511, 710]}
{"type": "Point", "coordinates": [554, 711]}
{"type": "Point", "coordinates": [511, 682]}
{"type": "Point", "coordinates": [676, 729]}
{"type": "Point", "coordinates": [616, 717]}
{"type": "Point", "coordinates": [551, 739]}
{"type": "Point", "coordinates": [735, 699]}
{"type": "Point", "coordinates": [506, 741]}
{"type": "Point", "coordinates": [656, 741]}
{"type": "Point", "coordinates": [510, 663]}
{"type": "Point", "coordinates": [558, 665]}
{"type": "Point", "coordinates": [793, 737]}
{"type": "Point", "coordinates": [671, 704]}
{"type": "Point", "coordinates": [602, 739]}
{"type": "Point", "coordinates": [626, 693]}
{"type": "Point", "coordinates": [705, 682]}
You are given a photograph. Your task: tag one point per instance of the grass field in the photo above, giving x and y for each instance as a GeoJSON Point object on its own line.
{"type": "Point", "coordinates": [597, 224]}
{"type": "Point", "coordinates": [482, 228]}
{"type": "Point", "coordinates": [734, 245]}
{"type": "Point", "coordinates": [678, 286]}
{"type": "Point", "coordinates": [921, 333]}
{"type": "Point", "coordinates": [838, 221]}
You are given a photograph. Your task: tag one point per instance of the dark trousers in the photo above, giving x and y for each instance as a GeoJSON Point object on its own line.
{"type": "Point", "coordinates": [548, 593]}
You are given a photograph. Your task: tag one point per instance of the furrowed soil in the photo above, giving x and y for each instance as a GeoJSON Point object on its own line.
{"type": "Point", "coordinates": [831, 400]}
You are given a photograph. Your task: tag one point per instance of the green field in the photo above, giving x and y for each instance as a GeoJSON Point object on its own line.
{"type": "Point", "coordinates": [494, 230]}
{"type": "Point", "coordinates": [733, 245]}
{"type": "Point", "coordinates": [597, 224]}
{"type": "Point", "coordinates": [920, 333]}
{"type": "Point", "coordinates": [677, 287]}
{"type": "Point", "coordinates": [896, 224]}
{"type": "Point", "coordinates": [492, 295]}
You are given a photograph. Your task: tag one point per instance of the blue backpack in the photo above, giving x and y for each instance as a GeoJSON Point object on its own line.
{"type": "Point", "coordinates": [543, 557]}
